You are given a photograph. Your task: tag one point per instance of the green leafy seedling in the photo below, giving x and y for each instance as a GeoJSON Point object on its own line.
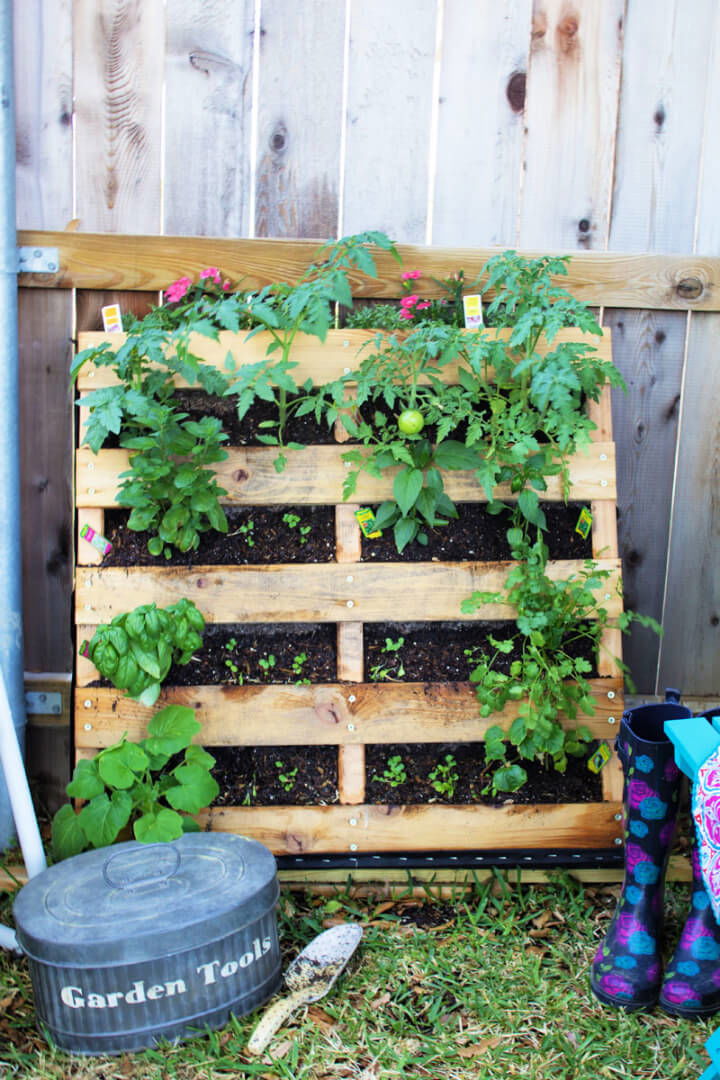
{"type": "Point", "coordinates": [141, 786]}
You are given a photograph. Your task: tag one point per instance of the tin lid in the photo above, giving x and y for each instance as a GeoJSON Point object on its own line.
{"type": "Point", "coordinates": [134, 902]}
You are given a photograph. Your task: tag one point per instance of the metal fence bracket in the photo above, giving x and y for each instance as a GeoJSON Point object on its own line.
{"type": "Point", "coordinates": [38, 260]}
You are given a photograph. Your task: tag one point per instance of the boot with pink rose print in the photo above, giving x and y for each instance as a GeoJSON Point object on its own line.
{"type": "Point", "coordinates": [627, 969]}
{"type": "Point", "coordinates": [692, 979]}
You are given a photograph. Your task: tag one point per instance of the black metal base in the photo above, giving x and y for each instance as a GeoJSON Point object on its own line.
{"type": "Point", "coordinates": [459, 860]}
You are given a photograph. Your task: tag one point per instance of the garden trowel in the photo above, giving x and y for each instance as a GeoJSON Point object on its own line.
{"type": "Point", "coordinates": [308, 978]}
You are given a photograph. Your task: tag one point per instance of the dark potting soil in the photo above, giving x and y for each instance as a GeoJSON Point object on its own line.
{"type": "Point", "coordinates": [307, 775]}
{"type": "Point", "coordinates": [478, 536]}
{"type": "Point", "coordinates": [256, 536]}
{"type": "Point", "coordinates": [436, 652]}
{"type": "Point", "coordinates": [544, 784]}
{"type": "Point", "coordinates": [262, 535]}
{"type": "Point", "coordinates": [245, 432]}
{"type": "Point", "coordinates": [250, 653]}
{"type": "Point", "coordinates": [275, 775]}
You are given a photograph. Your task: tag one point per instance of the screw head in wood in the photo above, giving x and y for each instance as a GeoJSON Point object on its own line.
{"type": "Point", "coordinates": [87, 727]}
{"type": "Point", "coordinates": [87, 703]}
{"type": "Point", "coordinates": [611, 694]}
{"type": "Point", "coordinates": [351, 698]}
{"type": "Point", "coordinates": [353, 847]}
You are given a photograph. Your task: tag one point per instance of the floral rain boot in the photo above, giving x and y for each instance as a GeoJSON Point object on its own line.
{"type": "Point", "coordinates": [626, 971]}
{"type": "Point", "coordinates": [692, 980]}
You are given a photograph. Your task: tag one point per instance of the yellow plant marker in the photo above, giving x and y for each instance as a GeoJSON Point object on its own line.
{"type": "Point", "coordinates": [366, 521]}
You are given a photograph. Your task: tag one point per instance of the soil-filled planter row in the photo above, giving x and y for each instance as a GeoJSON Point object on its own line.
{"type": "Point", "coordinates": [349, 592]}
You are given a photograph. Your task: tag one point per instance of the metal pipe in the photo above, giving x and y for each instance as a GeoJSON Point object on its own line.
{"type": "Point", "coordinates": [11, 639]}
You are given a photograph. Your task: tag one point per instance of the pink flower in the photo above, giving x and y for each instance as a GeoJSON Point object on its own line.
{"type": "Point", "coordinates": [177, 290]}
{"type": "Point", "coordinates": [213, 273]}
{"type": "Point", "coordinates": [422, 305]}
{"type": "Point", "coordinates": [406, 314]}
{"type": "Point", "coordinates": [409, 301]}
{"type": "Point", "coordinates": [226, 286]}
{"type": "Point", "coordinates": [411, 275]}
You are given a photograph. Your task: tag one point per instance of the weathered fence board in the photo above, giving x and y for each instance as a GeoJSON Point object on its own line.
{"type": "Point", "coordinates": [208, 92]}
{"type": "Point", "coordinates": [648, 347]}
{"type": "Point", "coordinates": [660, 130]}
{"type": "Point", "coordinates": [480, 137]}
{"type": "Point", "coordinates": [389, 118]}
{"type": "Point", "coordinates": [301, 62]}
{"type": "Point", "coordinates": [43, 113]}
{"type": "Point", "coordinates": [571, 119]}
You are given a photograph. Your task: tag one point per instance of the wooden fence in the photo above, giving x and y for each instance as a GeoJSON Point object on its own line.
{"type": "Point", "coordinates": [584, 126]}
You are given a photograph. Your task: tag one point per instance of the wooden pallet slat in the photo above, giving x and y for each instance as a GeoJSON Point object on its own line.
{"type": "Point", "coordinates": [317, 592]}
{"type": "Point", "coordinates": [315, 476]}
{"type": "Point", "coordinates": [322, 714]}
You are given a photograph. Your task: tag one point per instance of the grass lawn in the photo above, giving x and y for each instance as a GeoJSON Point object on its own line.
{"type": "Point", "coordinates": [489, 985]}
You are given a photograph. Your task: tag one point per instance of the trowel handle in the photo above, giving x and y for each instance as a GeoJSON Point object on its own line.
{"type": "Point", "coordinates": [273, 1018]}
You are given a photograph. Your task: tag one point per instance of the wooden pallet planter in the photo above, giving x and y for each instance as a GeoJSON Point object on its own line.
{"type": "Point", "coordinates": [352, 713]}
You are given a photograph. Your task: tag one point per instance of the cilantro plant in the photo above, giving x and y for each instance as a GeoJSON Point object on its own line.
{"type": "Point", "coordinates": [444, 777]}
{"type": "Point", "coordinates": [394, 773]}
{"type": "Point", "coordinates": [140, 785]}
{"type": "Point", "coordinates": [137, 648]}
{"type": "Point", "coordinates": [286, 776]}
{"type": "Point", "coordinates": [549, 678]}
{"type": "Point", "coordinates": [287, 309]}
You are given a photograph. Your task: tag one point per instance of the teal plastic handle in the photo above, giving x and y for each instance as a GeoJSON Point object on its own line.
{"type": "Point", "coordinates": [694, 741]}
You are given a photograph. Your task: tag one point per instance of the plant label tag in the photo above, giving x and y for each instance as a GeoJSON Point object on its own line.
{"type": "Point", "coordinates": [85, 650]}
{"type": "Point", "coordinates": [584, 523]}
{"type": "Point", "coordinates": [472, 307]}
{"type": "Point", "coordinates": [112, 319]}
{"type": "Point", "coordinates": [366, 521]}
{"type": "Point", "coordinates": [100, 543]}
{"type": "Point", "coordinates": [600, 758]}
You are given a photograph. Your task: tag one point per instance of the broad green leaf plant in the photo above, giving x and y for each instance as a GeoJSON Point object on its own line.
{"type": "Point", "coordinates": [137, 648]}
{"type": "Point", "coordinates": [145, 786]}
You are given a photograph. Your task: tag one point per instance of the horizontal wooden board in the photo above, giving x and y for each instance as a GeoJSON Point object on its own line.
{"type": "Point", "coordinates": [308, 829]}
{"type": "Point", "coordinates": [315, 477]}
{"type": "Point", "coordinates": [324, 592]}
{"type": "Point", "coordinates": [117, 261]}
{"type": "Point", "coordinates": [321, 715]}
{"type": "Point", "coordinates": [337, 355]}
{"type": "Point", "coordinates": [437, 880]}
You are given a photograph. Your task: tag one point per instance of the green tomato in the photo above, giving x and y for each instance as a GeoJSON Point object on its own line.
{"type": "Point", "coordinates": [411, 421]}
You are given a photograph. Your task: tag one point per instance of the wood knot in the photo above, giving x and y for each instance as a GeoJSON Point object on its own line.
{"type": "Point", "coordinates": [327, 713]}
{"type": "Point", "coordinates": [539, 26]}
{"type": "Point", "coordinates": [240, 476]}
{"type": "Point", "coordinates": [566, 35]}
{"type": "Point", "coordinates": [279, 138]}
{"type": "Point", "coordinates": [690, 288]}
{"type": "Point", "coordinates": [515, 91]}
{"type": "Point", "coordinates": [201, 583]}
